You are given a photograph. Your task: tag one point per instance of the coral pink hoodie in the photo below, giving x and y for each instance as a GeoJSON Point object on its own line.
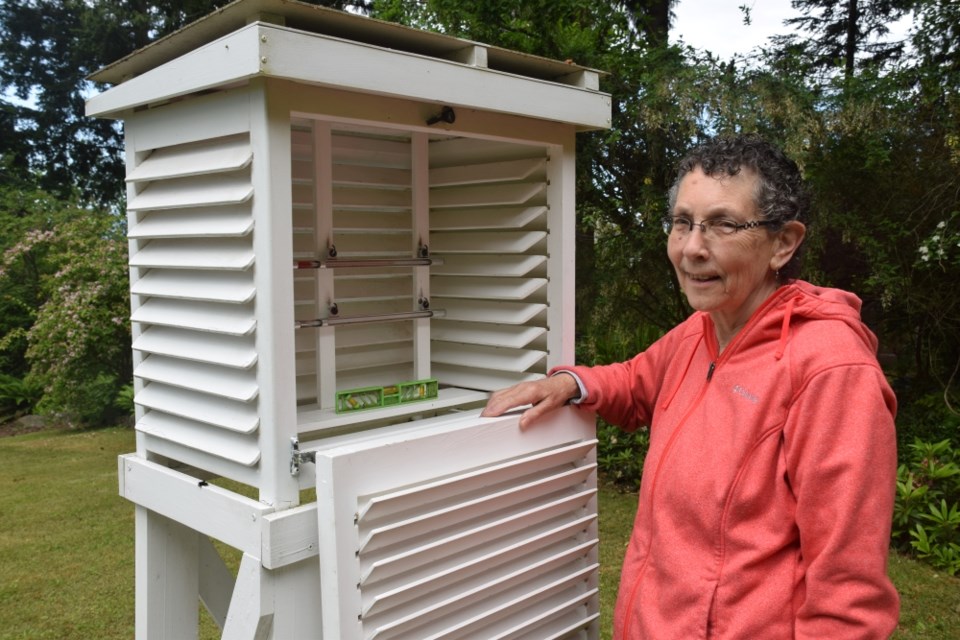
{"type": "Point", "coordinates": [767, 493]}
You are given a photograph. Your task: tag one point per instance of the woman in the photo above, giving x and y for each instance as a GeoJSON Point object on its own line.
{"type": "Point", "coordinates": [767, 492]}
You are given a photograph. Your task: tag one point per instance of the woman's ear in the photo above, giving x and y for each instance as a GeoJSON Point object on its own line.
{"type": "Point", "coordinates": [788, 240]}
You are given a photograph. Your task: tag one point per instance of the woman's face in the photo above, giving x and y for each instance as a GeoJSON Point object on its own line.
{"type": "Point", "coordinates": [729, 276]}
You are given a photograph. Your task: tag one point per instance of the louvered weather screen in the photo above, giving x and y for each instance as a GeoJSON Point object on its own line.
{"type": "Point", "coordinates": [344, 234]}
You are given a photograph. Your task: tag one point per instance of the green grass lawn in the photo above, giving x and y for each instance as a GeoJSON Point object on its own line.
{"type": "Point", "coordinates": [66, 547]}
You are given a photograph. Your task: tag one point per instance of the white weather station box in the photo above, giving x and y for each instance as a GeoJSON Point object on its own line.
{"type": "Point", "coordinates": [345, 233]}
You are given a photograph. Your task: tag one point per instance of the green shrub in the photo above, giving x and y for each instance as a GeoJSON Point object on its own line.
{"type": "Point", "coordinates": [923, 416]}
{"type": "Point", "coordinates": [18, 396]}
{"type": "Point", "coordinates": [926, 518]}
{"type": "Point", "coordinates": [620, 454]}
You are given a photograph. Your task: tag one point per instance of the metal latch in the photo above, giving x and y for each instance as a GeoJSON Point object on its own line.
{"type": "Point", "coordinates": [298, 457]}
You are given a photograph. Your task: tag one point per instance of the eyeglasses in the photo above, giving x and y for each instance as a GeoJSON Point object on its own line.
{"type": "Point", "coordinates": [680, 226]}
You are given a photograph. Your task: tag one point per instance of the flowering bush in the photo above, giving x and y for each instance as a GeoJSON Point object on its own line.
{"type": "Point", "coordinates": [79, 343]}
{"type": "Point", "coordinates": [942, 247]}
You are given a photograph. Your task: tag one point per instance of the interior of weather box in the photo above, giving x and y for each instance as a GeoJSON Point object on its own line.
{"type": "Point", "coordinates": [420, 271]}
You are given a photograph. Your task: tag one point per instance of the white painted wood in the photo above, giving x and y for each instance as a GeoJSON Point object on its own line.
{"type": "Point", "coordinates": [216, 582]}
{"type": "Point", "coordinates": [216, 411]}
{"type": "Point", "coordinates": [273, 339]}
{"type": "Point", "coordinates": [514, 313]}
{"type": "Point", "coordinates": [371, 335]}
{"type": "Point", "coordinates": [227, 154]}
{"type": "Point", "coordinates": [485, 242]}
{"type": "Point", "coordinates": [182, 193]}
{"type": "Point", "coordinates": [209, 223]}
{"type": "Point", "coordinates": [485, 195]}
{"type": "Point", "coordinates": [167, 581]}
{"type": "Point", "coordinates": [480, 379]}
{"type": "Point", "coordinates": [483, 265]}
{"type": "Point", "coordinates": [226, 113]}
{"type": "Point", "coordinates": [296, 614]}
{"type": "Point", "coordinates": [374, 286]}
{"type": "Point", "coordinates": [219, 253]}
{"type": "Point", "coordinates": [496, 335]}
{"type": "Point", "coordinates": [230, 319]}
{"type": "Point", "coordinates": [259, 49]}
{"type": "Point", "coordinates": [403, 584]}
{"type": "Point", "coordinates": [370, 151]}
{"type": "Point", "coordinates": [188, 456]}
{"type": "Point", "coordinates": [488, 172]}
{"type": "Point", "coordinates": [216, 286]}
{"type": "Point", "coordinates": [251, 609]}
{"type": "Point", "coordinates": [382, 356]}
{"type": "Point", "coordinates": [312, 420]}
{"type": "Point", "coordinates": [289, 536]}
{"type": "Point", "coordinates": [485, 218]}
{"type": "Point", "coordinates": [237, 384]}
{"type": "Point", "coordinates": [561, 247]}
{"type": "Point", "coordinates": [224, 61]}
{"type": "Point", "coordinates": [200, 437]}
{"type": "Point", "coordinates": [348, 198]}
{"type": "Point", "coordinates": [228, 351]}
{"type": "Point", "coordinates": [480, 570]}
{"type": "Point", "coordinates": [488, 288]}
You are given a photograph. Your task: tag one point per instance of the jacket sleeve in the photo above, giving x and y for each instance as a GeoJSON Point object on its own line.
{"type": "Point", "coordinates": [624, 393]}
{"type": "Point", "coordinates": [840, 450]}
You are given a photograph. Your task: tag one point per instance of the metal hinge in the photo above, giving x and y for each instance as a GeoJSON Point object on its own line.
{"type": "Point", "coordinates": [298, 457]}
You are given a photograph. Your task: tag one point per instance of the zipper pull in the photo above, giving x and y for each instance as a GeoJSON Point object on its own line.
{"type": "Point", "coordinates": [713, 365]}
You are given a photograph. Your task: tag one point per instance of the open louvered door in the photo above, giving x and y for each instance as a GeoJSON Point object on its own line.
{"type": "Point", "coordinates": [460, 528]}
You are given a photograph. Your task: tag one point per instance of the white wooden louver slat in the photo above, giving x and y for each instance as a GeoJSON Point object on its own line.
{"type": "Point", "coordinates": [219, 412]}
{"type": "Point", "coordinates": [397, 587]}
{"type": "Point", "coordinates": [477, 218]}
{"type": "Point", "coordinates": [236, 384]}
{"type": "Point", "coordinates": [202, 316]}
{"type": "Point", "coordinates": [398, 501]}
{"type": "Point", "coordinates": [187, 223]}
{"type": "Point", "coordinates": [221, 253]}
{"type": "Point", "coordinates": [494, 335]}
{"type": "Point", "coordinates": [491, 311]}
{"type": "Point", "coordinates": [485, 195]}
{"type": "Point", "coordinates": [413, 615]}
{"type": "Point", "coordinates": [422, 523]}
{"type": "Point", "coordinates": [486, 172]}
{"type": "Point", "coordinates": [228, 351]}
{"type": "Point", "coordinates": [487, 288]}
{"type": "Point", "coordinates": [561, 621]}
{"type": "Point", "coordinates": [481, 379]}
{"type": "Point", "coordinates": [426, 550]}
{"type": "Point", "coordinates": [485, 242]}
{"type": "Point", "coordinates": [201, 437]}
{"type": "Point", "coordinates": [370, 151]}
{"type": "Point", "coordinates": [379, 357]}
{"type": "Point", "coordinates": [211, 156]}
{"type": "Point", "coordinates": [563, 585]}
{"type": "Point", "coordinates": [484, 357]}
{"type": "Point", "coordinates": [484, 265]}
{"type": "Point", "coordinates": [194, 191]}
{"type": "Point", "coordinates": [216, 286]}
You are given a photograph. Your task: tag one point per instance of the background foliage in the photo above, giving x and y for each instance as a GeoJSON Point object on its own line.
{"type": "Point", "coordinates": [873, 122]}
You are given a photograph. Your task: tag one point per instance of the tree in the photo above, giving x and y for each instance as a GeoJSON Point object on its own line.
{"type": "Point", "coordinates": [845, 33]}
{"type": "Point", "coordinates": [47, 49]}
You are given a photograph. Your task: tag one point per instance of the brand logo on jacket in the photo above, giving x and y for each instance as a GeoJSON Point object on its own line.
{"type": "Point", "coordinates": [740, 391]}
